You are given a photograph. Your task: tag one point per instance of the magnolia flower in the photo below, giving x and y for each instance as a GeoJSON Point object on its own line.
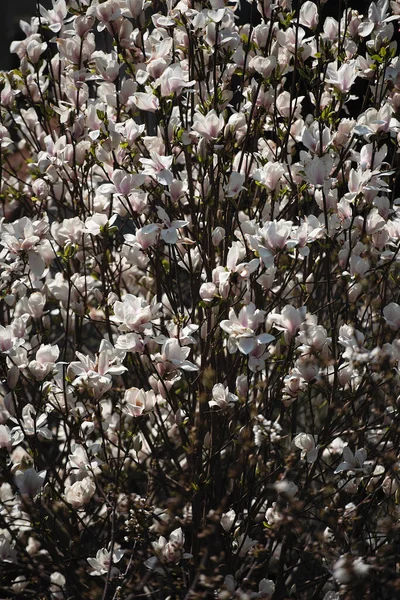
{"type": "Point", "coordinates": [173, 356]}
{"type": "Point", "coordinates": [5, 437]}
{"type": "Point", "coordinates": [29, 481]}
{"type": "Point", "coordinates": [80, 493]}
{"type": "Point", "coordinates": [270, 175]}
{"type": "Point", "coordinates": [275, 234]}
{"type": "Point", "coordinates": [98, 223]}
{"type": "Point", "coordinates": [373, 121]}
{"type": "Point", "coordinates": [218, 235]}
{"type": "Point", "coordinates": [227, 520]}
{"type": "Point", "coordinates": [7, 551]}
{"type": "Point", "coordinates": [170, 551]}
{"type": "Point", "coordinates": [54, 18]}
{"type": "Point", "coordinates": [289, 320]}
{"type": "Point", "coordinates": [266, 588]}
{"type": "Point", "coordinates": [208, 126]}
{"type": "Point", "coordinates": [80, 463]}
{"type": "Point", "coordinates": [146, 101]}
{"type": "Point", "coordinates": [46, 356]}
{"type": "Point", "coordinates": [347, 567]}
{"type": "Point", "coordinates": [170, 233]}
{"type": "Point", "coordinates": [174, 80]}
{"type": "Point", "coordinates": [306, 443]}
{"type": "Point", "coordinates": [353, 462]}
{"type": "Point", "coordinates": [134, 313]}
{"type": "Point", "coordinates": [308, 16]}
{"type": "Point", "coordinates": [159, 167]}
{"type": "Point", "coordinates": [343, 77]}
{"type": "Point", "coordinates": [123, 183]}
{"type": "Point", "coordinates": [103, 561]}
{"type": "Point", "coordinates": [96, 376]}
{"type": "Point", "coordinates": [222, 397]}
{"type": "Point", "coordinates": [391, 313]}
{"type": "Point", "coordinates": [241, 329]}
{"type": "Point", "coordinates": [30, 424]}
{"type": "Point", "coordinates": [243, 544]}
{"type": "Point", "coordinates": [137, 401]}
{"type": "Point", "coordinates": [244, 269]}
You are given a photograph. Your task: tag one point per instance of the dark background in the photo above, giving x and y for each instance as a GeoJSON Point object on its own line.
{"type": "Point", "coordinates": [11, 13]}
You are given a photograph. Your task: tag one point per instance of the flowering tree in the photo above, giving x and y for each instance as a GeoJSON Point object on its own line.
{"type": "Point", "coordinates": [199, 335]}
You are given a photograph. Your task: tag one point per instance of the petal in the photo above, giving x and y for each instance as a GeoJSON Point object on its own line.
{"type": "Point", "coordinates": [246, 344]}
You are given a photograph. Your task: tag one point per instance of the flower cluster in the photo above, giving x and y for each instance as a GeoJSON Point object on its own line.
{"type": "Point", "coordinates": [199, 307]}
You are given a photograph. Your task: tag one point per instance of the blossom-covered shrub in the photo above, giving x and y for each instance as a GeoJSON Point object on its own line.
{"type": "Point", "coordinates": [200, 309]}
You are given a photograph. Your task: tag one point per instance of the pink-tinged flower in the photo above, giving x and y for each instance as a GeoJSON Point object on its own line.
{"type": "Point", "coordinates": [376, 17]}
{"type": "Point", "coordinates": [173, 80]}
{"type": "Point", "coordinates": [307, 368]}
{"type": "Point", "coordinates": [318, 170]}
{"type": "Point", "coordinates": [107, 65]}
{"type": "Point", "coordinates": [331, 29]}
{"type": "Point", "coordinates": [131, 342]}
{"type": "Point", "coordinates": [136, 7]}
{"type": "Point", "coordinates": [343, 77]}
{"type": "Point", "coordinates": [218, 235]}
{"type": "Point", "coordinates": [134, 313]}
{"type": "Point", "coordinates": [7, 339]}
{"type": "Point", "coordinates": [208, 291]}
{"type": "Point", "coordinates": [167, 552]}
{"type": "Point", "coordinates": [46, 356]}
{"type": "Point", "coordinates": [290, 319]}
{"type": "Point", "coordinates": [159, 167]}
{"type": "Point", "coordinates": [209, 126]}
{"type": "Point", "coordinates": [354, 462]}
{"type": "Point", "coordinates": [287, 105]}
{"type": "Point", "coordinates": [5, 437]}
{"type": "Point", "coordinates": [170, 233]}
{"type": "Point", "coordinates": [54, 18]}
{"type": "Point", "coordinates": [148, 102]}
{"type": "Point", "coordinates": [173, 357]}
{"type": "Point", "coordinates": [96, 377]}
{"type": "Point", "coordinates": [34, 50]}
{"type": "Point", "coordinates": [29, 481]}
{"type": "Point", "coordinates": [235, 185]}
{"type": "Point", "coordinates": [138, 401]}
{"type": "Point", "coordinates": [312, 336]}
{"type": "Point", "coordinates": [83, 24]}
{"type": "Point", "coordinates": [104, 561]}
{"type": "Point", "coordinates": [292, 40]}
{"type": "Point", "coordinates": [148, 235]}
{"type": "Point", "coordinates": [223, 276]}
{"type": "Point", "coordinates": [81, 464]}
{"type": "Point", "coordinates": [372, 121]}
{"type": "Point", "coordinates": [391, 313]}
{"type": "Point", "coordinates": [222, 397]}
{"type": "Point", "coordinates": [263, 65]}
{"type": "Point", "coordinates": [241, 329]}
{"type": "Point", "coordinates": [308, 16]}
{"type": "Point", "coordinates": [98, 223]}
{"type": "Point", "coordinates": [80, 493]}
{"type": "Point", "coordinates": [276, 233]}
{"type": "Point", "coordinates": [123, 183]}
{"type": "Point", "coordinates": [266, 588]}
{"type": "Point", "coordinates": [306, 443]}
{"type": "Point", "coordinates": [30, 424]}
{"type": "Point", "coordinates": [270, 175]}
